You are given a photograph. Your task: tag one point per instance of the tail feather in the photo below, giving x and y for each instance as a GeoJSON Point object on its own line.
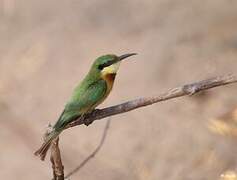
{"type": "Point", "coordinates": [42, 151]}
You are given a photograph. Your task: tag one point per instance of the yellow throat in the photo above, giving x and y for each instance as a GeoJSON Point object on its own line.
{"type": "Point", "coordinates": [109, 73]}
{"type": "Point", "coordinates": [112, 69]}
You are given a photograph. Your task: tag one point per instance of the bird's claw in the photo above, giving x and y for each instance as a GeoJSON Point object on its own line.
{"type": "Point", "coordinates": [88, 121]}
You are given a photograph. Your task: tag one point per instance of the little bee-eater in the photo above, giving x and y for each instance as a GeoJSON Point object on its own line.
{"type": "Point", "coordinates": [91, 92]}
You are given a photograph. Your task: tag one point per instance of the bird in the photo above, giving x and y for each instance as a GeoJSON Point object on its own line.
{"type": "Point", "coordinates": [88, 94]}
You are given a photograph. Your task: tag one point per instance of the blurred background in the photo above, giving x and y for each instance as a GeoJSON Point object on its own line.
{"type": "Point", "coordinates": [47, 47]}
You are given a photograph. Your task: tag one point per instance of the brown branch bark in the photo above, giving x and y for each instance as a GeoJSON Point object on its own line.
{"type": "Point", "coordinates": [188, 89]}
{"type": "Point", "coordinates": [55, 158]}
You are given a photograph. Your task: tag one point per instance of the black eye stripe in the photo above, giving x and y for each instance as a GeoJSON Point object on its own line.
{"type": "Point", "coordinates": [108, 63]}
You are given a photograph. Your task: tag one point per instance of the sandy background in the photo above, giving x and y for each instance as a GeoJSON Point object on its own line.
{"type": "Point", "coordinates": [46, 47]}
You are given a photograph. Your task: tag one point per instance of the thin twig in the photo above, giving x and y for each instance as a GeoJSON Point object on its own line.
{"type": "Point", "coordinates": [188, 89]}
{"type": "Point", "coordinates": [105, 132]}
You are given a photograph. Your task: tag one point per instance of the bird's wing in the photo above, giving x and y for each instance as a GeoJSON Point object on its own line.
{"type": "Point", "coordinates": [92, 96]}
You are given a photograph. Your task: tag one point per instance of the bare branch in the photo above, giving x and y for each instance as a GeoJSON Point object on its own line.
{"type": "Point", "coordinates": [97, 114]}
{"type": "Point", "coordinates": [188, 89]}
{"type": "Point", "coordinates": [93, 153]}
{"type": "Point", "coordinates": [57, 166]}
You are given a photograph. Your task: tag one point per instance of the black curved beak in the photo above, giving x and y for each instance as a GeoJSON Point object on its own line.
{"type": "Point", "coordinates": [126, 56]}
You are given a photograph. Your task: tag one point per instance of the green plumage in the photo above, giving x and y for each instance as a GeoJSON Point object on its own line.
{"type": "Point", "coordinates": [86, 96]}
{"type": "Point", "coordinates": [84, 99]}
{"type": "Point", "coordinates": [92, 91]}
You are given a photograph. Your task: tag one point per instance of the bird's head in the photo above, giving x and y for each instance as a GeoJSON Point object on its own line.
{"type": "Point", "coordinates": [109, 64]}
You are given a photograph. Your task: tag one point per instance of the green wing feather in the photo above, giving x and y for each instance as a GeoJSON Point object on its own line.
{"type": "Point", "coordinates": [83, 100]}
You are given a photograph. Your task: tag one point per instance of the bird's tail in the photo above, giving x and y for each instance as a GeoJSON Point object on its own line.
{"type": "Point", "coordinates": [42, 151]}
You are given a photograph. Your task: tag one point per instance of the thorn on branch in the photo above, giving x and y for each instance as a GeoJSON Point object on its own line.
{"type": "Point", "coordinates": [190, 89]}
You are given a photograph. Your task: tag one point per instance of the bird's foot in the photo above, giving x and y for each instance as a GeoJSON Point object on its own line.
{"type": "Point", "coordinates": [87, 122]}
{"type": "Point", "coordinates": [86, 118]}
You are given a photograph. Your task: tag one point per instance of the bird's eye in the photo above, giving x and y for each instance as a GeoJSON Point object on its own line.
{"type": "Point", "coordinates": [100, 67]}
